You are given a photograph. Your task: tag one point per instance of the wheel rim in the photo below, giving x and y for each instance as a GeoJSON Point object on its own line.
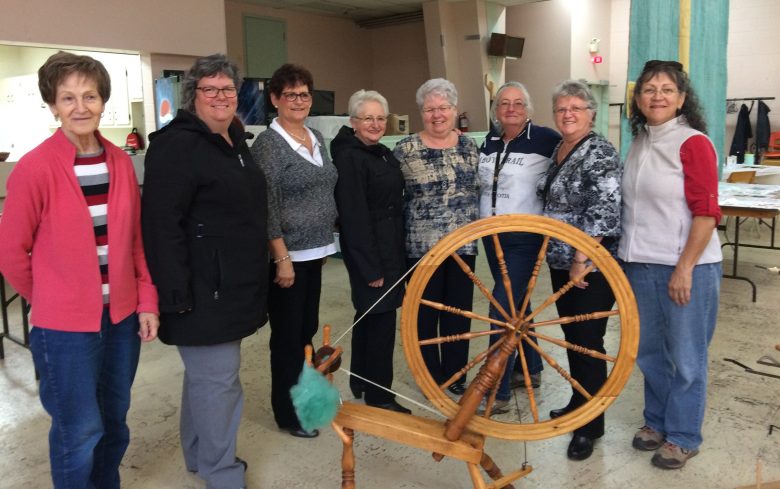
{"type": "Point", "coordinates": [625, 305]}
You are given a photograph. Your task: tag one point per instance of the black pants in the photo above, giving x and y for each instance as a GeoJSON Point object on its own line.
{"type": "Point", "coordinates": [449, 286]}
{"type": "Point", "coordinates": [373, 340]}
{"type": "Point", "coordinates": [294, 318]}
{"type": "Point", "coordinates": [590, 372]}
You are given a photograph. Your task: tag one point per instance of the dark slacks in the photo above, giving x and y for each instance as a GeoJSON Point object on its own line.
{"type": "Point", "coordinates": [373, 341]}
{"type": "Point", "coordinates": [294, 315]}
{"type": "Point", "coordinates": [590, 372]}
{"type": "Point", "coordinates": [449, 286]}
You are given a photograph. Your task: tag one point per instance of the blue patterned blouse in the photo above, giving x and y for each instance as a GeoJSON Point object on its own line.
{"type": "Point", "coordinates": [441, 192]}
{"type": "Point", "coordinates": [585, 192]}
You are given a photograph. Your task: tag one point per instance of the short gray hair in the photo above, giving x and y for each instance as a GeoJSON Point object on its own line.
{"type": "Point", "coordinates": [360, 97]}
{"type": "Point", "coordinates": [578, 89]}
{"type": "Point", "coordinates": [437, 86]}
{"type": "Point", "coordinates": [529, 106]}
{"type": "Point", "coordinates": [204, 67]}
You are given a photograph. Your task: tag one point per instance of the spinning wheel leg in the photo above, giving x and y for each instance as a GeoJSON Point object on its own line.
{"type": "Point", "coordinates": [492, 470]}
{"type": "Point", "coordinates": [348, 460]}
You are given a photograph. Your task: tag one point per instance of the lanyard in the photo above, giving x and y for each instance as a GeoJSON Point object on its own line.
{"type": "Point", "coordinates": [499, 165]}
{"type": "Point", "coordinates": [557, 168]}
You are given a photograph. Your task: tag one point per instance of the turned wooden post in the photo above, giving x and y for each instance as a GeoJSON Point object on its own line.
{"type": "Point", "coordinates": [487, 377]}
{"type": "Point", "coordinates": [348, 461]}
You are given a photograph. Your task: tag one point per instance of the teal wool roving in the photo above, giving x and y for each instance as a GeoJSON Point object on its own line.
{"type": "Point", "coordinates": [315, 399]}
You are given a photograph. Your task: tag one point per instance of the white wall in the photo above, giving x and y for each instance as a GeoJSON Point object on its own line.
{"type": "Point", "coordinates": [546, 27]}
{"type": "Point", "coordinates": [618, 64]}
{"type": "Point", "coordinates": [194, 27]}
{"type": "Point", "coordinates": [753, 58]}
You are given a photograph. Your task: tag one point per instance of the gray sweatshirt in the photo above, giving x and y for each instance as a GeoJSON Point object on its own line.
{"type": "Point", "coordinates": [301, 203]}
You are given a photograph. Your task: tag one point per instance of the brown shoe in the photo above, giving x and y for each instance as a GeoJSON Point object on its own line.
{"type": "Point", "coordinates": [647, 439]}
{"type": "Point", "coordinates": [671, 456]}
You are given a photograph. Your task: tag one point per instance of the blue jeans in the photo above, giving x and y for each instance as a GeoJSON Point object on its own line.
{"type": "Point", "coordinates": [673, 345]}
{"type": "Point", "coordinates": [85, 387]}
{"type": "Point", "coordinates": [520, 251]}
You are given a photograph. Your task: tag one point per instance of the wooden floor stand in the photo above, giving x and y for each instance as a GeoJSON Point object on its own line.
{"type": "Point", "coordinates": [419, 432]}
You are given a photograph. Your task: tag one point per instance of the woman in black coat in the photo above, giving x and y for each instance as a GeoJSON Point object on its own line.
{"type": "Point", "coordinates": [369, 197]}
{"type": "Point", "coordinates": [204, 225]}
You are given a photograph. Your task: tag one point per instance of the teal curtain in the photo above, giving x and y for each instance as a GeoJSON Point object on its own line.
{"type": "Point", "coordinates": [653, 34]}
{"type": "Point", "coordinates": [708, 70]}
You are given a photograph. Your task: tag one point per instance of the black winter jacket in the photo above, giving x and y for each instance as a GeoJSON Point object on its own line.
{"type": "Point", "coordinates": [369, 197]}
{"type": "Point", "coordinates": [204, 215]}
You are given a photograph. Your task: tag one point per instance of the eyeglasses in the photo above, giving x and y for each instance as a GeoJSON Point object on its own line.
{"type": "Point", "coordinates": [665, 91]}
{"type": "Point", "coordinates": [212, 92]}
{"type": "Point", "coordinates": [292, 96]}
{"type": "Point", "coordinates": [371, 119]}
{"type": "Point", "coordinates": [431, 110]}
{"type": "Point", "coordinates": [573, 109]}
{"type": "Point", "coordinates": [506, 104]}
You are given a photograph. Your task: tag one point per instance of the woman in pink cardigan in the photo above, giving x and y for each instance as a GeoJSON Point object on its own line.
{"type": "Point", "coordinates": [70, 243]}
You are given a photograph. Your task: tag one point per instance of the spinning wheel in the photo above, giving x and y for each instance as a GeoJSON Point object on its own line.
{"type": "Point", "coordinates": [516, 324]}
{"type": "Point", "coordinates": [463, 435]}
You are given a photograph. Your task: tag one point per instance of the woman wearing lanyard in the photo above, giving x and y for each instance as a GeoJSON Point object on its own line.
{"type": "Point", "coordinates": [514, 156]}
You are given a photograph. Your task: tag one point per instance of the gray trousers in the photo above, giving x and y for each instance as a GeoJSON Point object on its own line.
{"type": "Point", "coordinates": [211, 404]}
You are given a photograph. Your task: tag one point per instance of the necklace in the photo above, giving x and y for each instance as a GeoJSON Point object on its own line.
{"type": "Point", "coordinates": [301, 139]}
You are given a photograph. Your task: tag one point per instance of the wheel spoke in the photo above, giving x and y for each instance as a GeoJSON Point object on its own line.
{"type": "Point", "coordinates": [481, 286]}
{"type": "Point", "coordinates": [535, 274]}
{"type": "Point", "coordinates": [468, 314]}
{"type": "Point", "coordinates": [473, 363]}
{"type": "Point", "coordinates": [459, 337]}
{"type": "Point", "coordinates": [504, 274]}
{"type": "Point", "coordinates": [557, 295]}
{"type": "Point", "coordinates": [529, 389]}
{"type": "Point", "coordinates": [563, 373]}
{"type": "Point", "coordinates": [573, 347]}
{"type": "Point", "coordinates": [577, 318]}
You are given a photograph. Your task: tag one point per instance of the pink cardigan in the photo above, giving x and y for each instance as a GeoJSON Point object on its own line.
{"type": "Point", "coordinates": [47, 246]}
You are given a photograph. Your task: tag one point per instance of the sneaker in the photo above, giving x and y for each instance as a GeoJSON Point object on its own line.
{"type": "Point", "coordinates": [647, 439]}
{"type": "Point", "coordinates": [517, 381]}
{"type": "Point", "coordinates": [499, 407]}
{"type": "Point", "coordinates": [457, 390]}
{"type": "Point", "coordinates": [671, 456]}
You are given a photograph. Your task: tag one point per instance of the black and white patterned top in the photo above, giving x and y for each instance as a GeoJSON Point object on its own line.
{"type": "Point", "coordinates": [441, 192]}
{"type": "Point", "coordinates": [584, 192]}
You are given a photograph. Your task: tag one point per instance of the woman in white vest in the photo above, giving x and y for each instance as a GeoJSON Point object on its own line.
{"type": "Point", "coordinates": [672, 257]}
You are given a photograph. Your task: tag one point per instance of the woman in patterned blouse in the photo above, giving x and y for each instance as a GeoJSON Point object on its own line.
{"type": "Point", "coordinates": [441, 194]}
{"type": "Point", "coordinates": [582, 189]}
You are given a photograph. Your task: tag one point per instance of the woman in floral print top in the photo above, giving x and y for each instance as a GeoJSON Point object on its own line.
{"type": "Point", "coordinates": [441, 194]}
{"type": "Point", "coordinates": [582, 189]}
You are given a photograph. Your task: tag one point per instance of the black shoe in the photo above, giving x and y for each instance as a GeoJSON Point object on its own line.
{"type": "Point", "coordinates": [580, 448]}
{"type": "Point", "coordinates": [391, 406]}
{"type": "Point", "coordinates": [301, 433]}
{"type": "Point", "coordinates": [557, 413]}
{"type": "Point", "coordinates": [457, 389]}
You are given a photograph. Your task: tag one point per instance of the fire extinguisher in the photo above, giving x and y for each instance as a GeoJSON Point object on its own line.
{"type": "Point", "coordinates": [463, 122]}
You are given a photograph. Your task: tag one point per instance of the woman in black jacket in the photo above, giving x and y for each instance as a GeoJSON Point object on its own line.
{"type": "Point", "coordinates": [204, 225]}
{"type": "Point", "coordinates": [369, 197]}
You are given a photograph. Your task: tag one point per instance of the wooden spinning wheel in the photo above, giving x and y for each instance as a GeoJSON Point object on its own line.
{"type": "Point", "coordinates": [462, 436]}
{"type": "Point", "coordinates": [537, 428]}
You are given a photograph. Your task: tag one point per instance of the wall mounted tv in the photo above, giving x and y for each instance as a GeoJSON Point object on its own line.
{"type": "Point", "coordinates": [505, 46]}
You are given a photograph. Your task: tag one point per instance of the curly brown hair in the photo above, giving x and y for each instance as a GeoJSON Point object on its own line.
{"type": "Point", "coordinates": [289, 75]}
{"type": "Point", "coordinates": [61, 65]}
{"type": "Point", "coordinates": [674, 70]}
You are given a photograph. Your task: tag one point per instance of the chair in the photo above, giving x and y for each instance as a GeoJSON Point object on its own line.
{"type": "Point", "coordinates": [773, 150]}
{"type": "Point", "coordinates": [742, 177]}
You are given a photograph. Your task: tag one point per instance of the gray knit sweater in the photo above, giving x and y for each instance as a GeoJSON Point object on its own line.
{"type": "Point", "coordinates": [301, 203]}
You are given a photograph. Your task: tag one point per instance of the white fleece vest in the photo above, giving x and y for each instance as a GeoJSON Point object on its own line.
{"type": "Point", "coordinates": [656, 218]}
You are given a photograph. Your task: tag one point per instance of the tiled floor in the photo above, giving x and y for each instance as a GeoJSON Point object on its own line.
{"type": "Point", "coordinates": [741, 407]}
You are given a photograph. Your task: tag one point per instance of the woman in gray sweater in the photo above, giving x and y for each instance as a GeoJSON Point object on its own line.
{"type": "Point", "coordinates": [301, 219]}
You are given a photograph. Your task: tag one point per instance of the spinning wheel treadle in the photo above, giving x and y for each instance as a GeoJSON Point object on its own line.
{"type": "Point", "coordinates": [517, 328]}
